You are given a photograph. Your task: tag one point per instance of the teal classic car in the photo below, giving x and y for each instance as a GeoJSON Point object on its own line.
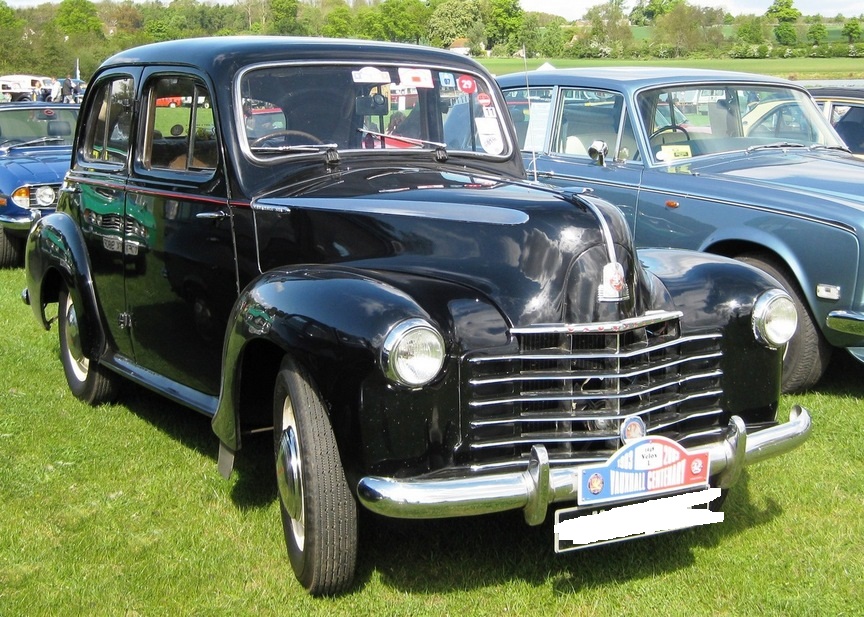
{"type": "Point", "coordinates": [734, 164]}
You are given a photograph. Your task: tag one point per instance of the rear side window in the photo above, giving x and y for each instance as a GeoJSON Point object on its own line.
{"type": "Point", "coordinates": [180, 133]}
{"type": "Point", "coordinates": [109, 121]}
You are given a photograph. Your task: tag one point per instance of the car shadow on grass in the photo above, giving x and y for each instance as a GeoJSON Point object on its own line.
{"type": "Point", "coordinates": [254, 484]}
{"type": "Point", "coordinates": [458, 554]}
{"type": "Point", "coordinates": [474, 552]}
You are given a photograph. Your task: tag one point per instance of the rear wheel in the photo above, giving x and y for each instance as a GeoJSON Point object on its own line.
{"type": "Point", "coordinates": [10, 250]}
{"type": "Point", "coordinates": [808, 353]}
{"type": "Point", "coordinates": [319, 514]}
{"type": "Point", "coordinates": [88, 380]}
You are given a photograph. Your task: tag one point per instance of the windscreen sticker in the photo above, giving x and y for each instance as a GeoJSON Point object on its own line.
{"type": "Point", "coordinates": [489, 132]}
{"type": "Point", "coordinates": [674, 152]}
{"type": "Point", "coordinates": [417, 78]}
{"type": "Point", "coordinates": [484, 99]}
{"type": "Point", "coordinates": [370, 75]}
{"type": "Point", "coordinates": [490, 112]}
{"type": "Point", "coordinates": [448, 80]}
{"type": "Point", "coordinates": [467, 84]}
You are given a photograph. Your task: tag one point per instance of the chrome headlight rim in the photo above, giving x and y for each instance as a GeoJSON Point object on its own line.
{"type": "Point", "coordinates": [396, 353]}
{"type": "Point", "coordinates": [45, 196]}
{"type": "Point", "coordinates": [771, 306]}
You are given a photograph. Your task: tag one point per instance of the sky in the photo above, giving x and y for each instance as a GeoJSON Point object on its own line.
{"type": "Point", "coordinates": [575, 9]}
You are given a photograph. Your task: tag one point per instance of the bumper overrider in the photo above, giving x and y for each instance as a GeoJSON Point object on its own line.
{"type": "Point", "coordinates": [533, 489]}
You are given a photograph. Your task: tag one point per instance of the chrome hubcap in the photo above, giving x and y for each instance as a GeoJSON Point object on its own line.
{"type": "Point", "coordinates": [288, 474]}
{"type": "Point", "coordinates": [79, 363]}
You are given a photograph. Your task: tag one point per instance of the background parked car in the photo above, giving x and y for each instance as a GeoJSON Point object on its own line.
{"type": "Point", "coordinates": [844, 108]}
{"type": "Point", "coordinates": [757, 174]}
{"type": "Point", "coordinates": [35, 150]}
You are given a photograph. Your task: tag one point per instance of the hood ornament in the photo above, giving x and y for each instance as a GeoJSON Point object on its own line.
{"type": "Point", "coordinates": [613, 287]}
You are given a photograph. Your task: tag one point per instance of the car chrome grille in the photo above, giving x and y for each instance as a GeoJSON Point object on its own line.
{"type": "Point", "coordinates": [568, 387]}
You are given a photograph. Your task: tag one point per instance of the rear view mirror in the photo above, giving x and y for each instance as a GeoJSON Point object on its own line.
{"type": "Point", "coordinates": [374, 105]}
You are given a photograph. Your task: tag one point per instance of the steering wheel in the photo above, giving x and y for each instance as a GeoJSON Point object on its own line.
{"type": "Point", "coordinates": [670, 128]}
{"type": "Point", "coordinates": [286, 133]}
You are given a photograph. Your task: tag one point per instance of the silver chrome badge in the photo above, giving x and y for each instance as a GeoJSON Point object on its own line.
{"type": "Point", "coordinates": [613, 287]}
{"type": "Point", "coordinates": [632, 428]}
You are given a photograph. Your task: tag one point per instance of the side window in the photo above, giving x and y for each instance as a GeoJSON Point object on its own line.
{"type": "Point", "coordinates": [180, 132]}
{"type": "Point", "coordinates": [586, 116]}
{"type": "Point", "coordinates": [108, 124]}
{"type": "Point", "coordinates": [529, 111]}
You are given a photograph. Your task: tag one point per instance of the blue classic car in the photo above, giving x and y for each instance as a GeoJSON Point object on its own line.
{"type": "Point", "coordinates": [423, 333]}
{"type": "Point", "coordinates": [35, 152]}
{"type": "Point", "coordinates": [729, 163]}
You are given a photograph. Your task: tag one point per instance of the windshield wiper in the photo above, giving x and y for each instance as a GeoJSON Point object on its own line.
{"type": "Point", "coordinates": [824, 147]}
{"type": "Point", "coordinates": [296, 148]}
{"type": "Point", "coordinates": [440, 149]}
{"type": "Point", "coordinates": [40, 140]}
{"type": "Point", "coordinates": [778, 145]}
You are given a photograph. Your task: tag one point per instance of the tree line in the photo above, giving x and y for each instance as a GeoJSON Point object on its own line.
{"type": "Point", "coordinates": [55, 38]}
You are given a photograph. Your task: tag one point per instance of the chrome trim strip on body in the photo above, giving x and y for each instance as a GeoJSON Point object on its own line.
{"type": "Point", "coordinates": [850, 322]}
{"type": "Point", "coordinates": [539, 485]}
{"type": "Point", "coordinates": [696, 196]}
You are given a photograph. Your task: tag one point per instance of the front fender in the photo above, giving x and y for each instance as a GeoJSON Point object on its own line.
{"type": "Point", "coordinates": [801, 246]}
{"type": "Point", "coordinates": [332, 320]}
{"type": "Point", "coordinates": [55, 256]}
{"type": "Point", "coordinates": [716, 292]}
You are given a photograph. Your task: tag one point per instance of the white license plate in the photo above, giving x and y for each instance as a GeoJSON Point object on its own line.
{"type": "Point", "coordinates": [580, 527]}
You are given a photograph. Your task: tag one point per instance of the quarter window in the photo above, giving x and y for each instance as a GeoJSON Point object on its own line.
{"type": "Point", "coordinates": [180, 131]}
{"type": "Point", "coordinates": [109, 122]}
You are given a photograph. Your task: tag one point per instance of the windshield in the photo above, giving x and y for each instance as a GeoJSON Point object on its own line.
{"type": "Point", "coordinates": [685, 122]}
{"type": "Point", "coordinates": [285, 110]}
{"type": "Point", "coordinates": [37, 125]}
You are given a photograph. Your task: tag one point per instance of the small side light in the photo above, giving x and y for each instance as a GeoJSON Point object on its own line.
{"type": "Point", "coordinates": [774, 318]}
{"type": "Point", "coordinates": [21, 197]}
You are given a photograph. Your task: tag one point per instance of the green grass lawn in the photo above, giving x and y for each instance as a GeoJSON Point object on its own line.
{"type": "Point", "coordinates": [119, 510]}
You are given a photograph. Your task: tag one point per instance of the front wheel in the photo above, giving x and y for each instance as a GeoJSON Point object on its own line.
{"type": "Point", "coordinates": [319, 514]}
{"type": "Point", "coordinates": [807, 354]}
{"type": "Point", "coordinates": [11, 254]}
{"type": "Point", "coordinates": [88, 381]}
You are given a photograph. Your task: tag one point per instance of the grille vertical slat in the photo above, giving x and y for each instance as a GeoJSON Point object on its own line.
{"type": "Point", "coordinates": [569, 386]}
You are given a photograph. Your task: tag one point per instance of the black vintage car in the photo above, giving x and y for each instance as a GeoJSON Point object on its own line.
{"type": "Point", "coordinates": [334, 243]}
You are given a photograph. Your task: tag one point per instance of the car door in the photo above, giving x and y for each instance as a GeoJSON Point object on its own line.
{"type": "Point", "coordinates": [96, 184]}
{"type": "Point", "coordinates": [180, 276]}
{"type": "Point", "coordinates": [557, 127]}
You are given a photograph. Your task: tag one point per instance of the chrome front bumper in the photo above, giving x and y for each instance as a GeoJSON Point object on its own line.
{"type": "Point", "coordinates": [538, 486]}
{"type": "Point", "coordinates": [20, 221]}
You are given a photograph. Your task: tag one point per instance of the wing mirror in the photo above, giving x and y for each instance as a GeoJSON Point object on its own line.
{"type": "Point", "coordinates": [598, 151]}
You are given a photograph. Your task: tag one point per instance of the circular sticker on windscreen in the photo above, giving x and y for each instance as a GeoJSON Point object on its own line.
{"type": "Point", "coordinates": [467, 84]}
{"type": "Point", "coordinates": [484, 99]}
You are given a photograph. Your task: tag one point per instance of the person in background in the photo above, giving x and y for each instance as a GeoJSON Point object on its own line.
{"type": "Point", "coordinates": [56, 90]}
{"type": "Point", "coordinates": [68, 90]}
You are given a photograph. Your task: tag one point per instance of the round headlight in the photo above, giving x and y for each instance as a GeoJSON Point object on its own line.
{"type": "Point", "coordinates": [413, 353]}
{"type": "Point", "coordinates": [774, 318]}
{"type": "Point", "coordinates": [45, 196]}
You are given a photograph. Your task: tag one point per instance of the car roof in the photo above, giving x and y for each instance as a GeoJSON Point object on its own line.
{"type": "Point", "coordinates": [632, 78]}
{"type": "Point", "coordinates": [225, 55]}
{"type": "Point", "coordinates": [838, 92]}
